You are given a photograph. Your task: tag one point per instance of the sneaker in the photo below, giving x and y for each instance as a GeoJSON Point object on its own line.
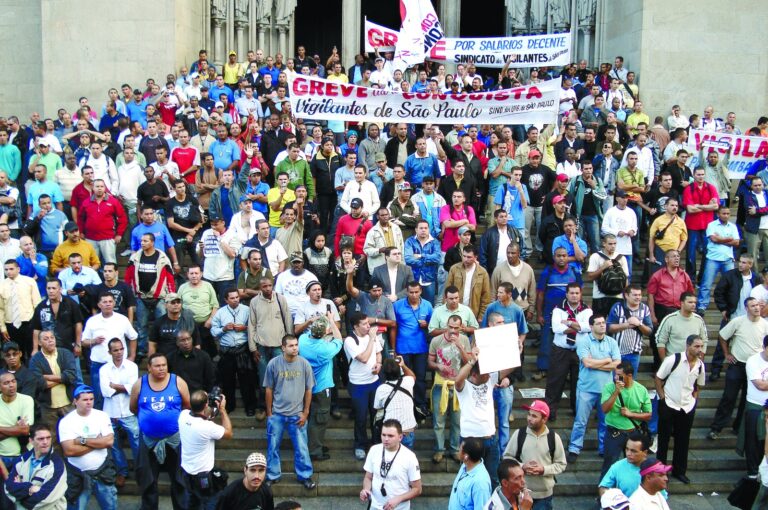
{"type": "Point", "coordinates": [359, 454]}
{"type": "Point", "coordinates": [455, 456]}
{"type": "Point", "coordinates": [261, 415]}
{"type": "Point", "coordinates": [438, 457]}
{"type": "Point", "coordinates": [655, 444]}
{"type": "Point", "coordinates": [538, 376]}
{"type": "Point", "coordinates": [308, 484]}
{"type": "Point", "coordinates": [713, 435]}
{"type": "Point", "coordinates": [126, 252]}
{"type": "Point", "coordinates": [572, 457]}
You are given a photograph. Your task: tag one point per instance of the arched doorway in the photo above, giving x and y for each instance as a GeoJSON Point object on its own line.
{"type": "Point", "coordinates": [318, 26]}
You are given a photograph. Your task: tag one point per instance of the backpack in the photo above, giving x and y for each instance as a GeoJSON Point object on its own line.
{"type": "Point", "coordinates": [678, 359]}
{"type": "Point", "coordinates": [521, 435]}
{"type": "Point", "coordinates": [613, 280]}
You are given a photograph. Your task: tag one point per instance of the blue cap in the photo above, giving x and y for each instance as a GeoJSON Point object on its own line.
{"type": "Point", "coordinates": [83, 388]}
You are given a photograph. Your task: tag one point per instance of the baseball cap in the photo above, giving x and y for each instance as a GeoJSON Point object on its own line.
{"type": "Point", "coordinates": [311, 284]}
{"type": "Point", "coordinates": [620, 193]}
{"type": "Point", "coordinates": [218, 103]}
{"type": "Point", "coordinates": [653, 465]}
{"type": "Point", "coordinates": [42, 143]}
{"type": "Point", "coordinates": [318, 328]}
{"type": "Point", "coordinates": [245, 198]}
{"type": "Point", "coordinates": [351, 132]}
{"type": "Point", "coordinates": [404, 186]}
{"type": "Point", "coordinates": [379, 59]}
{"type": "Point", "coordinates": [10, 346]}
{"type": "Point", "coordinates": [232, 52]}
{"type": "Point", "coordinates": [562, 177]}
{"type": "Point", "coordinates": [297, 257]}
{"type": "Point", "coordinates": [764, 269]}
{"type": "Point", "coordinates": [256, 459]}
{"type": "Point", "coordinates": [463, 229]}
{"type": "Point", "coordinates": [171, 297]}
{"type": "Point", "coordinates": [614, 499]}
{"type": "Point", "coordinates": [255, 170]}
{"type": "Point", "coordinates": [539, 406]}
{"type": "Point", "coordinates": [356, 203]}
{"type": "Point", "coordinates": [380, 156]}
{"type": "Point", "coordinates": [375, 283]}
{"type": "Point", "coordinates": [136, 92]}
{"type": "Point", "coordinates": [71, 226]}
{"type": "Point", "coordinates": [557, 199]}
{"type": "Point", "coordinates": [83, 388]}
{"type": "Point", "coordinates": [533, 153]}
{"type": "Point", "coordinates": [194, 75]}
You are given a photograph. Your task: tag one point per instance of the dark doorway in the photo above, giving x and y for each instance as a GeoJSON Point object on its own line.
{"type": "Point", "coordinates": [381, 12]}
{"type": "Point", "coordinates": [318, 26]}
{"type": "Point", "coordinates": [488, 21]}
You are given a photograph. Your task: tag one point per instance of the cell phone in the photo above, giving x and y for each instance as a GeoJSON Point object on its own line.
{"type": "Point", "coordinates": [328, 307]}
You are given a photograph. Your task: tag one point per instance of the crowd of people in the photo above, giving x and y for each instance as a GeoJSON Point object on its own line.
{"type": "Point", "coordinates": [292, 257]}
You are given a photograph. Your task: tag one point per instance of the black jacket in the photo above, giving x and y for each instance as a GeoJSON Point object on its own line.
{"type": "Point", "coordinates": [489, 247]}
{"type": "Point", "coordinates": [551, 227]}
{"type": "Point", "coordinates": [393, 146]}
{"type": "Point", "coordinates": [728, 290]}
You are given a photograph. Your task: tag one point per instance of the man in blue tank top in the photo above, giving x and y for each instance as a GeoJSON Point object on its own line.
{"type": "Point", "coordinates": [157, 399]}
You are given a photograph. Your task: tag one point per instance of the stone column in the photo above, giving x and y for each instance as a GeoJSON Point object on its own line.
{"type": "Point", "coordinates": [350, 31]}
{"type": "Point", "coordinates": [262, 28]}
{"type": "Point", "coordinates": [240, 27]}
{"type": "Point", "coordinates": [218, 46]}
{"type": "Point", "coordinates": [281, 47]}
{"type": "Point", "coordinates": [450, 17]}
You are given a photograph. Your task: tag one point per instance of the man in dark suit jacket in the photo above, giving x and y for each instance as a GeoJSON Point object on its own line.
{"type": "Point", "coordinates": [403, 274]}
{"type": "Point", "coordinates": [392, 149]}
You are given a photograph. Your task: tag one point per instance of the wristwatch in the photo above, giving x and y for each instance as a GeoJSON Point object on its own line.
{"type": "Point", "coordinates": [83, 440]}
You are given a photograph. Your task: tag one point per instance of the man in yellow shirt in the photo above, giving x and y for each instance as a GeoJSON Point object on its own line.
{"type": "Point", "coordinates": [668, 232]}
{"type": "Point", "coordinates": [17, 413]}
{"type": "Point", "coordinates": [73, 244]}
{"type": "Point", "coordinates": [277, 198]}
{"type": "Point", "coordinates": [233, 71]}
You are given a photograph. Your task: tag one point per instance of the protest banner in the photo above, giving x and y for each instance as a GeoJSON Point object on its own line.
{"type": "Point", "coordinates": [744, 150]}
{"type": "Point", "coordinates": [315, 98]}
{"type": "Point", "coordinates": [498, 348]}
{"type": "Point", "coordinates": [523, 51]}
{"type": "Point", "coordinates": [419, 32]}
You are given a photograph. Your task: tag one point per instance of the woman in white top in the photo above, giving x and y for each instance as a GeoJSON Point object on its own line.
{"type": "Point", "coordinates": [364, 355]}
{"type": "Point", "coordinates": [400, 408]}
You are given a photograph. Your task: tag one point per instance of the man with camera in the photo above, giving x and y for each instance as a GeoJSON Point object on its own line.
{"type": "Point", "coordinates": [198, 434]}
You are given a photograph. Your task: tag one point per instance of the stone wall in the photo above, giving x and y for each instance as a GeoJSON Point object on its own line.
{"type": "Point", "coordinates": [63, 49]}
{"type": "Point", "coordinates": [21, 82]}
{"type": "Point", "coordinates": [698, 53]}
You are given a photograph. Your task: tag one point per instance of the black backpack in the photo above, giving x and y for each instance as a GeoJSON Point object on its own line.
{"type": "Point", "coordinates": [521, 435]}
{"type": "Point", "coordinates": [613, 280]}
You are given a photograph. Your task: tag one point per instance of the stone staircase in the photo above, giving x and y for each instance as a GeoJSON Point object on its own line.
{"type": "Point", "coordinates": [714, 466]}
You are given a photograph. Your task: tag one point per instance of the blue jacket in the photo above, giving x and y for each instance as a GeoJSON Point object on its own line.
{"type": "Point", "coordinates": [425, 267]}
{"type": "Point", "coordinates": [417, 168]}
{"type": "Point", "coordinates": [753, 221]}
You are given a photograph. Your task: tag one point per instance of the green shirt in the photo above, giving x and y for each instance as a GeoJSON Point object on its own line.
{"type": "Point", "coordinates": [635, 398]}
{"type": "Point", "coordinates": [22, 406]}
{"type": "Point", "coordinates": [200, 301]}
{"type": "Point", "coordinates": [441, 314]}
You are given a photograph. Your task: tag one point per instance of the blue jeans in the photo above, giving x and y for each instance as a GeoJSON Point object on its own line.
{"type": "Point", "coordinates": [653, 425]}
{"type": "Point", "coordinates": [542, 358]}
{"type": "Point", "coordinates": [438, 421]}
{"type": "Point", "coordinates": [542, 504]}
{"type": "Point", "coordinates": [106, 495]}
{"type": "Point", "coordinates": [275, 425]}
{"type": "Point", "coordinates": [697, 241]}
{"type": "Point", "coordinates": [632, 358]}
{"type": "Point", "coordinates": [142, 321]}
{"type": "Point", "coordinates": [711, 268]}
{"type": "Point", "coordinates": [408, 439]}
{"type": "Point", "coordinates": [590, 231]}
{"type": "Point", "coordinates": [95, 384]}
{"type": "Point", "coordinates": [503, 398]}
{"type": "Point", "coordinates": [491, 458]}
{"type": "Point", "coordinates": [130, 425]}
{"type": "Point", "coordinates": [585, 402]}
{"type": "Point", "coordinates": [428, 292]}
{"type": "Point", "coordinates": [362, 406]}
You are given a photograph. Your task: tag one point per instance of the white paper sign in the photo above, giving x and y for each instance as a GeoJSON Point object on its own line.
{"type": "Point", "coordinates": [498, 348]}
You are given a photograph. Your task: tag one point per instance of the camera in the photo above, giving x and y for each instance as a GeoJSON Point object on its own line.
{"type": "Point", "coordinates": [214, 399]}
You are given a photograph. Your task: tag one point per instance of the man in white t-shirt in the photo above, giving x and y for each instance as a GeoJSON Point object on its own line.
{"type": "Point", "coordinates": [392, 475]}
{"type": "Point", "coordinates": [363, 352]}
{"type": "Point", "coordinates": [757, 394]}
{"type": "Point", "coordinates": [293, 283]}
{"type": "Point", "coordinates": [198, 434]}
{"type": "Point", "coordinates": [621, 221]}
{"type": "Point", "coordinates": [219, 247]}
{"type": "Point", "coordinates": [86, 436]}
{"type": "Point", "coordinates": [598, 263]}
{"type": "Point", "coordinates": [475, 392]}
{"type": "Point", "coordinates": [99, 330]}
{"type": "Point", "coordinates": [314, 307]}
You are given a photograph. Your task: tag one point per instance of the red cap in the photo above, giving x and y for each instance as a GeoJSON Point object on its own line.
{"type": "Point", "coordinates": [557, 199]}
{"type": "Point", "coordinates": [539, 406]}
{"type": "Point", "coordinates": [562, 178]}
{"type": "Point", "coordinates": [533, 153]}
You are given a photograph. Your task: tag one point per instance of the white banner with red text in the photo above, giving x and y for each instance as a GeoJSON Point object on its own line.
{"type": "Point", "coordinates": [523, 51]}
{"type": "Point", "coordinates": [744, 150]}
{"type": "Point", "coordinates": [315, 98]}
{"type": "Point", "coordinates": [420, 30]}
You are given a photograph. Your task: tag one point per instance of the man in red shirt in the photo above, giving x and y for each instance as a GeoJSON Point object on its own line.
{"type": "Point", "coordinates": [81, 193]}
{"type": "Point", "coordinates": [664, 290]}
{"type": "Point", "coordinates": [103, 221]}
{"type": "Point", "coordinates": [186, 157]}
{"type": "Point", "coordinates": [167, 108]}
{"type": "Point", "coordinates": [355, 225]}
{"type": "Point", "coordinates": [701, 201]}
